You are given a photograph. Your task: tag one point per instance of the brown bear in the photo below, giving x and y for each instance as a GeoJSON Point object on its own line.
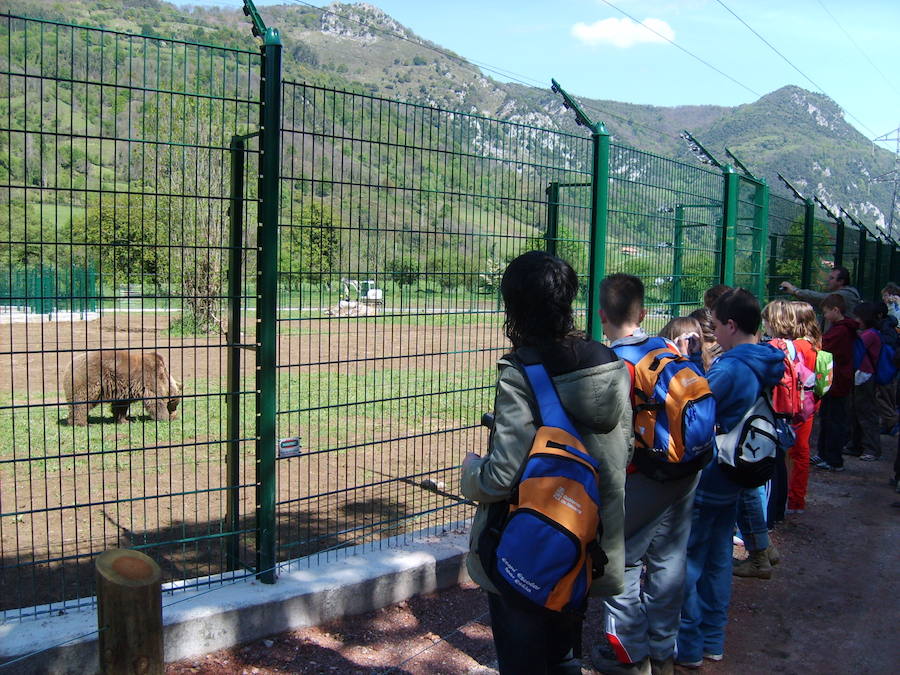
{"type": "Point", "coordinates": [121, 377]}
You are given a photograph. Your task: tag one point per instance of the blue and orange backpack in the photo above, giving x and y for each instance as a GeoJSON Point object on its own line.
{"type": "Point", "coordinates": [674, 410]}
{"type": "Point", "coordinates": [540, 548]}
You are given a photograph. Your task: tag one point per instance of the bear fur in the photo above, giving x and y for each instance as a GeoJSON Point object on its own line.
{"type": "Point", "coordinates": [121, 377]}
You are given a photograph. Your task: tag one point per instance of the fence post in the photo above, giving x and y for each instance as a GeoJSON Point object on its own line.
{"type": "Point", "coordinates": [677, 260]}
{"type": "Point", "coordinates": [233, 423]}
{"type": "Point", "coordinates": [729, 224]}
{"type": "Point", "coordinates": [599, 215]}
{"type": "Point", "coordinates": [761, 231]}
{"type": "Point", "coordinates": [861, 261]}
{"type": "Point", "coordinates": [809, 222]}
{"type": "Point", "coordinates": [599, 208]}
{"type": "Point", "coordinates": [266, 304]}
{"type": "Point", "coordinates": [879, 259]}
{"type": "Point", "coordinates": [839, 242]}
{"type": "Point", "coordinates": [550, 238]}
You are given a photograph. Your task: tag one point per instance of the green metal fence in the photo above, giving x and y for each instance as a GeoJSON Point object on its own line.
{"type": "Point", "coordinates": [664, 226]}
{"type": "Point", "coordinates": [396, 222]}
{"type": "Point", "coordinates": [319, 269]}
{"type": "Point", "coordinates": [114, 166]}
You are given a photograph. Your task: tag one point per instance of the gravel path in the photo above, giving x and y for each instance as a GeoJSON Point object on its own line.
{"type": "Point", "coordinates": [831, 607]}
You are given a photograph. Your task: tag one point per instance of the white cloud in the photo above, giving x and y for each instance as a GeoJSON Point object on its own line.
{"type": "Point", "coordinates": [622, 33]}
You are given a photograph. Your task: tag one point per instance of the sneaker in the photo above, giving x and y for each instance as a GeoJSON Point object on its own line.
{"type": "Point", "coordinates": [868, 457]}
{"type": "Point", "coordinates": [713, 657]}
{"type": "Point", "coordinates": [815, 459]}
{"type": "Point", "coordinates": [822, 464]}
{"type": "Point", "coordinates": [604, 660]}
{"type": "Point", "coordinates": [791, 512]}
{"type": "Point", "coordinates": [693, 665]}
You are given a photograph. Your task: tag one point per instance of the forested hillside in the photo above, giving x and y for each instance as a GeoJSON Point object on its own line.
{"type": "Point", "coordinates": [143, 191]}
{"type": "Point", "coordinates": [798, 133]}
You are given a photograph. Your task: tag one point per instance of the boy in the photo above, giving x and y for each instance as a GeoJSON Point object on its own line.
{"type": "Point", "coordinates": [736, 379]}
{"type": "Point", "coordinates": [641, 626]}
{"type": "Point", "coordinates": [833, 415]}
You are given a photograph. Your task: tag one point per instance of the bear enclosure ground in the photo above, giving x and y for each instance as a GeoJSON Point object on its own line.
{"type": "Point", "coordinates": [831, 606]}
{"type": "Point", "coordinates": [381, 405]}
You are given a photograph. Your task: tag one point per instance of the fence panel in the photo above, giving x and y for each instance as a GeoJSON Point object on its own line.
{"type": "Point", "coordinates": [665, 226]}
{"type": "Point", "coordinates": [785, 243]}
{"type": "Point", "coordinates": [114, 158]}
{"type": "Point", "coordinates": [751, 225]}
{"type": "Point", "coordinates": [396, 224]}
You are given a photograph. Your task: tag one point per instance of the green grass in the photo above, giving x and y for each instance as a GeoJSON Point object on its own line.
{"type": "Point", "coordinates": [329, 409]}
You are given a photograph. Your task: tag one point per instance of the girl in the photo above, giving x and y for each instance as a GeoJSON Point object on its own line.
{"type": "Point", "coordinates": [685, 333]}
{"type": "Point", "coordinates": [711, 350]}
{"type": "Point", "coordinates": [593, 385]}
{"type": "Point", "coordinates": [807, 338]}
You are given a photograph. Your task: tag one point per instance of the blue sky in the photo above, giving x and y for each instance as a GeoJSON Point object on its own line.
{"type": "Point", "coordinates": [848, 50]}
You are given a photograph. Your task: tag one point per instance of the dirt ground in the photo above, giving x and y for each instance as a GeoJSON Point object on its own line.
{"type": "Point", "coordinates": [165, 485]}
{"type": "Point", "coordinates": [832, 605]}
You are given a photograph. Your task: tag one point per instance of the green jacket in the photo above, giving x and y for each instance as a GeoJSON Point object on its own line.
{"type": "Point", "coordinates": [594, 387]}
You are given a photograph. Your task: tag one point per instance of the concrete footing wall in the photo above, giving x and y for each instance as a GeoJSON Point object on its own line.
{"type": "Point", "coordinates": [310, 591]}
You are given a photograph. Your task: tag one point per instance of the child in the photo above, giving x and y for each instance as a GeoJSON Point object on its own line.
{"type": "Point", "coordinates": [642, 621]}
{"type": "Point", "coordinates": [807, 338]}
{"type": "Point", "coordinates": [737, 378]}
{"type": "Point", "coordinates": [711, 349]}
{"type": "Point", "coordinates": [886, 394]}
{"type": "Point", "coordinates": [592, 383]}
{"type": "Point", "coordinates": [865, 441]}
{"type": "Point", "coordinates": [757, 507]}
{"type": "Point", "coordinates": [686, 334]}
{"type": "Point", "coordinates": [834, 410]}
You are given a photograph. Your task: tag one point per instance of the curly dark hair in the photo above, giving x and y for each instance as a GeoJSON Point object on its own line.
{"type": "Point", "coordinates": [538, 290]}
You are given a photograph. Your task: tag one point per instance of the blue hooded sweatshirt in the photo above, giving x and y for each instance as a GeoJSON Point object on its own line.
{"type": "Point", "coordinates": [736, 380]}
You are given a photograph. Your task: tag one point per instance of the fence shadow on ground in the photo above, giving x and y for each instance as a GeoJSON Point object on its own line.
{"type": "Point", "coordinates": [200, 550]}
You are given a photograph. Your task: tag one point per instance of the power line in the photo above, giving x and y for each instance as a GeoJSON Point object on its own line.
{"type": "Point", "coordinates": [507, 74]}
{"type": "Point", "coordinates": [853, 42]}
{"type": "Point", "coordinates": [686, 51]}
{"type": "Point", "coordinates": [790, 63]}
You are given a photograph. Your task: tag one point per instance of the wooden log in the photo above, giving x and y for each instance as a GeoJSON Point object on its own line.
{"type": "Point", "coordinates": [129, 613]}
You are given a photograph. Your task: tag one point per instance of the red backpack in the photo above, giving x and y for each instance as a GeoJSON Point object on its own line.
{"type": "Point", "coordinates": [787, 395]}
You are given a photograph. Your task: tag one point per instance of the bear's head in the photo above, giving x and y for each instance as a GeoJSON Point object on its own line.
{"type": "Point", "coordinates": [175, 389]}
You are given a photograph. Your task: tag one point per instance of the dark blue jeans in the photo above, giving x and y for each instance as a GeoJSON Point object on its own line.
{"type": "Point", "coordinates": [534, 642]}
{"type": "Point", "coordinates": [833, 423]}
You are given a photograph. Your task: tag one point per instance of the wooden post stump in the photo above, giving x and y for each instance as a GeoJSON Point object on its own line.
{"type": "Point", "coordinates": [129, 613]}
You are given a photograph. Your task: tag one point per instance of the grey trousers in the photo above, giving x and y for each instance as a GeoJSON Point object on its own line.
{"type": "Point", "coordinates": [643, 619]}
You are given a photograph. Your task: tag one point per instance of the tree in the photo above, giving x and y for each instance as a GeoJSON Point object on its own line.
{"type": "Point", "coordinates": [310, 246]}
{"type": "Point", "coordinates": [404, 270]}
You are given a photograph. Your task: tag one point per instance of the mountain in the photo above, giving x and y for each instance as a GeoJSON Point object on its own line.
{"type": "Point", "coordinates": [801, 134]}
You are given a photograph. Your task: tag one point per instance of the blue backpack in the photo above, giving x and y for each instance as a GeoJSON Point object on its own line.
{"type": "Point", "coordinates": [885, 367]}
{"type": "Point", "coordinates": [540, 547]}
{"type": "Point", "coordinates": [674, 410]}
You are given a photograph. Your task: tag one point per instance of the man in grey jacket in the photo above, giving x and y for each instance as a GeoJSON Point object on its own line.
{"type": "Point", "coordinates": [838, 281]}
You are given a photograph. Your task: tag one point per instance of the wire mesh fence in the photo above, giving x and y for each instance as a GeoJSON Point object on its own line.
{"type": "Point", "coordinates": [129, 186]}
{"type": "Point", "coordinates": [665, 226]}
{"type": "Point", "coordinates": [396, 223]}
{"type": "Point", "coordinates": [114, 155]}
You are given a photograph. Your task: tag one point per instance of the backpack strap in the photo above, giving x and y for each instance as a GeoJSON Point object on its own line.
{"type": "Point", "coordinates": [550, 408]}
